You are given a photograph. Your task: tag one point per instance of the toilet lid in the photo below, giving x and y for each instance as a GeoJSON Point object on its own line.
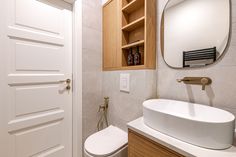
{"type": "Point", "coordinates": [106, 142]}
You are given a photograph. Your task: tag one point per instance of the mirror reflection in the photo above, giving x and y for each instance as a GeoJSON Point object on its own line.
{"type": "Point", "coordinates": [195, 33]}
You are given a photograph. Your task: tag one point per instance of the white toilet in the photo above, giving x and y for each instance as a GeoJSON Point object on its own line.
{"type": "Point", "coordinates": [110, 142]}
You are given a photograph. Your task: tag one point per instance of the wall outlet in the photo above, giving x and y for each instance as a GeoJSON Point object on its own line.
{"type": "Point", "coordinates": [124, 82]}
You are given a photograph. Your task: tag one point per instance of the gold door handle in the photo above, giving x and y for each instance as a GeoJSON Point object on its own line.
{"type": "Point", "coordinates": [67, 81]}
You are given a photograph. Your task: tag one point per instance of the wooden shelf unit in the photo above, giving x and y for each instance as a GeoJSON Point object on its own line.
{"type": "Point", "coordinates": [133, 25]}
{"type": "Point", "coordinates": [128, 24]}
{"type": "Point", "coordinates": [125, 53]}
{"type": "Point", "coordinates": [111, 35]}
{"type": "Point", "coordinates": [139, 29]}
{"type": "Point", "coordinates": [138, 43]}
{"type": "Point", "coordinates": [132, 6]}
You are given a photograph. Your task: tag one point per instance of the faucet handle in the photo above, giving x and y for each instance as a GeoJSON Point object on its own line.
{"type": "Point", "coordinates": [204, 82]}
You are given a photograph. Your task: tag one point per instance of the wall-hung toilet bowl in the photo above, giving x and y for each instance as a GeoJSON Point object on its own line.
{"type": "Point", "coordinates": [110, 142]}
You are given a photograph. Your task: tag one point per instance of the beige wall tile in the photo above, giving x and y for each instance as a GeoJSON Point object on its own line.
{"type": "Point", "coordinates": [91, 65]}
{"type": "Point", "coordinates": [125, 107]}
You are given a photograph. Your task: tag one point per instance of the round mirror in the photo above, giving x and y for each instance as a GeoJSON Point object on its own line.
{"type": "Point", "coordinates": [194, 33]}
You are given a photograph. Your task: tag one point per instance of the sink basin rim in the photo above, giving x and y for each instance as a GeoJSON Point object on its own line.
{"type": "Point", "coordinates": [151, 104]}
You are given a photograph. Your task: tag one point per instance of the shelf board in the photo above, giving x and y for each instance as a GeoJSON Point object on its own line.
{"type": "Point", "coordinates": [135, 24]}
{"type": "Point", "coordinates": [133, 5]}
{"type": "Point", "coordinates": [133, 67]}
{"type": "Point", "coordinates": [141, 42]}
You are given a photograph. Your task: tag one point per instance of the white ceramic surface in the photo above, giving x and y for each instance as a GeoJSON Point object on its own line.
{"type": "Point", "coordinates": [106, 142]}
{"type": "Point", "coordinates": [196, 124]}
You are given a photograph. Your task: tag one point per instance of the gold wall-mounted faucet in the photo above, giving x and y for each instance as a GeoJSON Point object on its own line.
{"type": "Point", "coordinates": [203, 81]}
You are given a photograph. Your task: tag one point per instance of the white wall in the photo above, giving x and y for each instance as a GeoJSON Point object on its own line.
{"type": "Point", "coordinates": [195, 24]}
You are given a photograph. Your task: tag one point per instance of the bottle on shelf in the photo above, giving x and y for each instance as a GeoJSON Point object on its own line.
{"type": "Point", "coordinates": [130, 58]}
{"type": "Point", "coordinates": [137, 57]}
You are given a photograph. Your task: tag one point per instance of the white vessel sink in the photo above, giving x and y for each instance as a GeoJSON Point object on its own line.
{"type": "Point", "coordinates": [196, 124]}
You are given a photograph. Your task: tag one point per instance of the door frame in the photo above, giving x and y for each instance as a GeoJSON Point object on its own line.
{"type": "Point", "coordinates": [77, 142]}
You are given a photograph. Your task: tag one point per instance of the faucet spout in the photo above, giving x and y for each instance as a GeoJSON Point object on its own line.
{"type": "Point", "coordinates": [182, 80]}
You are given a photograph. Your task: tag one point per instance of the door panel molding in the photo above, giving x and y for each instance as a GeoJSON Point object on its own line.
{"type": "Point", "coordinates": [44, 98]}
{"type": "Point", "coordinates": [27, 79]}
{"type": "Point", "coordinates": [58, 151]}
{"type": "Point", "coordinates": [35, 120]}
{"type": "Point", "coordinates": [51, 57]}
{"type": "Point", "coordinates": [35, 139]}
{"type": "Point", "coordinates": [20, 33]}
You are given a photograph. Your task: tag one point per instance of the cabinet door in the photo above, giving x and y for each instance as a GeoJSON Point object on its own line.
{"type": "Point", "coordinates": [110, 32]}
{"type": "Point", "coordinates": [140, 146]}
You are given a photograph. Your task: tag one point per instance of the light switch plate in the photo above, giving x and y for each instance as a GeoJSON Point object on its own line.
{"type": "Point", "coordinates": [124, 82]}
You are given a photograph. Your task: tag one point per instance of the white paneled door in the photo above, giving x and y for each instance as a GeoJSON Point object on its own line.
{"type": "Point", "coordinates": [35, 74]}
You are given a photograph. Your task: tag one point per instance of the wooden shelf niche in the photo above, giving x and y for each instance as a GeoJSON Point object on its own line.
{"type": "Point", "coordinates": [128, 24]}
{"type": "Point", "coordinates": [138, 21]}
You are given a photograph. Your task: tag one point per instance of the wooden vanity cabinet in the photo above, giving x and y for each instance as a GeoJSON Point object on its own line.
{"type": "Point", "coordinates": [140, 146]}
